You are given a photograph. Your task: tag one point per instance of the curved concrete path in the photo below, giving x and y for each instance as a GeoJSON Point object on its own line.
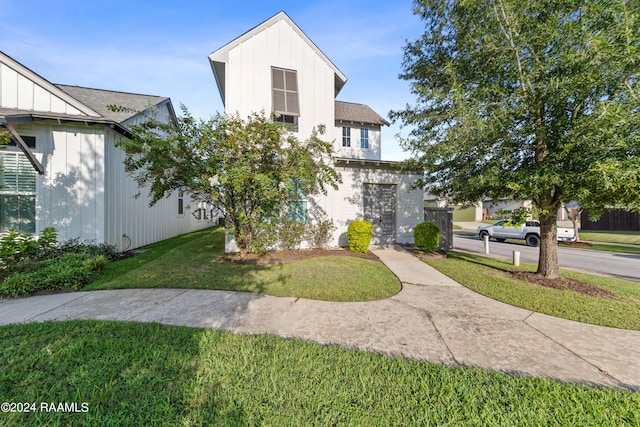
{"type": "Point", "coordinates": [433, 318]}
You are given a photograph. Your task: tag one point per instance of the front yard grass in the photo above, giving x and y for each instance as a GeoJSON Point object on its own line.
{"type": "Point", "coordinates": [491, 277]}
{"type": "Point", "coordinates": [195, 261]}
{"type": "Point", "coordinates": [624, 237]}
{"type": "Point", "coordinates": [150, 374]}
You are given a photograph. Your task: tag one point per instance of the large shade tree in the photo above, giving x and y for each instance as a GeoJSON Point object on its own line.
{"type": "Point", "coordinates": [530, 100]}
{"type": "Point", "coordinates": [248, 168]}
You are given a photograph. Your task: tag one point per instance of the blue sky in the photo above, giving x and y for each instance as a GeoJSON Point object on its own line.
{"type": "Point", "coordinates": [161, 47]}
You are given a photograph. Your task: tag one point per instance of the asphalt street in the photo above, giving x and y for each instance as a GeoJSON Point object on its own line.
{"type": "Point", "coordinates": [625, 266]}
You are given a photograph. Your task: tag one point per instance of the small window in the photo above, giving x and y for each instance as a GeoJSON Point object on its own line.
{"type": "Point", "coordinates": [29, 140]}
{"type": "Point", "coordinates": [290, 122]}
{"type": "Point", "coordinates": [180, 202]}
{"type": "Point", "coordinates": [298, 208]}
{"type": "Point", "coordinates": [364, 138]}
{"type": "Point", "coordinates": [346, 137]}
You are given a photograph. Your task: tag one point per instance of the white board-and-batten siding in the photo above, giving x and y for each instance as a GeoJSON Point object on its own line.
{"type": "Point", "coordinates": [20, 92]}
{"type": "Point", "coordinates": [248, 85]}
{"type": "Point", "coordinates": [86, 194]}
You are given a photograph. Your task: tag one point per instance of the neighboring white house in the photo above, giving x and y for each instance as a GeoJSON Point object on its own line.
{"type": "Point", "coordinates": [275, 67]}
{"type": "Point", "coordinates": [63, 169]}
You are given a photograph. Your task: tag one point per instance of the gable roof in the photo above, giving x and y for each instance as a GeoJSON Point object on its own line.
{"type": "Point", "coordinates": [89, 105]}
{"type": "Point", "coordinates": [220, 57]}
{"type": "Point", "coordinates": [99, 99]}
{"type": "Point", "coordinates": [45, 84]}
{"type": "Point", "coordinates": [357, 113]}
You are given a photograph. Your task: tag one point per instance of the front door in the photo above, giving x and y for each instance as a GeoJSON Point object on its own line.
{"type": "Point", "coordinates": [380, 210]}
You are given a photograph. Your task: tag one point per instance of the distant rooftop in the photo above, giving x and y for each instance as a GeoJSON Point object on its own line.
{"type": "Point", "coordinates": [98, 99]}
{"type": "Point", "coordinates": [357, 113]}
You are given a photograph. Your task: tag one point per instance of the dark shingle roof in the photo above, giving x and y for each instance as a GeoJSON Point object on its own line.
{"type": "Point", "coordinates": [98, 99]}
{"type": "Point", "coordinates": [357, 113]}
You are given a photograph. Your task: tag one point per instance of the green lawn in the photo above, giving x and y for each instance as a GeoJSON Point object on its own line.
{"type": "Point", "coordinates": [490, 277]}
{"type": "Point", "coordinates": [132, 374]}
{"type": "Point", "coordinates": [195, 261]}
{"type": "Point", "coordinates": [625, 237]}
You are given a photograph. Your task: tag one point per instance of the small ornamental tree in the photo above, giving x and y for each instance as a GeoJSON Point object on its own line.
{"type": "Point", "coordinates": [426, 236]}
{"type": "Point", "coordinates": [359, 233]}
{"type": "Point", "coordinates": [247, 168]}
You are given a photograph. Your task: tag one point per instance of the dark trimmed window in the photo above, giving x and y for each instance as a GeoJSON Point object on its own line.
{"type": "Point", "coordinates": [29, 140]}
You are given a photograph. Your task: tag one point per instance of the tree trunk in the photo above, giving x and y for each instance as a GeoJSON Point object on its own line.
{"type": "Point", "coordinates": [574, 221]}
{"type": "Point", "coordinates": [548, 260]}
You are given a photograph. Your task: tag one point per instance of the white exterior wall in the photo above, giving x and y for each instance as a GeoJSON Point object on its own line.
{"type": "Point", "coordinates": [18, 91]}
{"type": "Point", "coordinates": [355, 152]}
{"type": "Point", "coordinates": [130, 221]}
{"type": "Point", "coordinates": [348, 201]}
{"type": "Point", "coordinates": [248, 78]}
{"type": "Point", "coordinates": [70, 194]}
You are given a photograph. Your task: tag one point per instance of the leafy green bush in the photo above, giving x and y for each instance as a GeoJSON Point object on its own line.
{"type": "Point", "coordinates": [91, 248]}
{"type": "Point", "coordinates": [319, 234]}
{"type": "Point", "coordinates": [290, 234]}
{"type": "Point", "coordinates": [15, 247]}
{"type": "Point", "coordinates": [264, 238]}
{"type": "Point", "coordinates": [68, 271]}
{"type": "Point", "coordinates": [359, 235]}
{"type": "Point", "coordinates": [426, 236]}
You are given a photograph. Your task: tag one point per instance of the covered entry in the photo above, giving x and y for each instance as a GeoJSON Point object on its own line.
{"type": "Point", "coordinates": [380, 210]}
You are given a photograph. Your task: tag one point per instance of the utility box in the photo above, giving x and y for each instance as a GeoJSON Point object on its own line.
{"type": "Point", "coordinates": [443, 218]}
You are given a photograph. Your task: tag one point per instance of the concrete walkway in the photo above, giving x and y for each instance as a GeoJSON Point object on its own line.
{"type": "Point", "coordinates": [433, 318]}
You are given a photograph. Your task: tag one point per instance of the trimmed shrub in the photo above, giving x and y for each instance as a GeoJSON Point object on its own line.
{"type": "Point", "coordinates": [426, 236]}
{"type": "Point", "coordinates": [359, 235]}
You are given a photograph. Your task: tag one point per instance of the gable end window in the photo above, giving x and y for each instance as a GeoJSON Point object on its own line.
{"type": "Point", "coordinates": [364, 138]}
{"type": "Point", "coordinates": [346, 137]}
{"type": "Point", "coordinates": [284, 91]}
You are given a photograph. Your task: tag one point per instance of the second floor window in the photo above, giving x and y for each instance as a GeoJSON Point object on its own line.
{"type": "Point", "coordinates": [346, 137]}
{"type": "Point", "coordinates": [364, 138]}
{"type": "Point", "coordinates": [284, 91]}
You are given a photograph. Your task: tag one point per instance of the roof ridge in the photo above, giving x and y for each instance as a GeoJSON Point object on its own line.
{"type": "Point", "coordinates": [110, 90]}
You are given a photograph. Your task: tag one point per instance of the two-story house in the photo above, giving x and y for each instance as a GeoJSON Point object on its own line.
{"type": "Point", "coordinates": [64, 170]}
{"type": "Point", "coordinates": [276, 68]}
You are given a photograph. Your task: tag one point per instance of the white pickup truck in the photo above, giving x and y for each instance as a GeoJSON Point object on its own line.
{"type": "Point", "coordinates": [528, 231]}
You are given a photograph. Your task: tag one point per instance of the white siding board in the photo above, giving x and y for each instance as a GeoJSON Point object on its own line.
{"type": "Point", "coordinates": [9, 87]}
{"type": "Point", "coordinates": [41, 99]}
{"type": "Point", "coordinates": [25, 93]}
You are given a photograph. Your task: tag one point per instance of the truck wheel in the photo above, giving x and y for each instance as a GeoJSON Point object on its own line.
{"type": "Point", "coordinates": [482, 234]}
{"type": "Point", "coordinates": [532, 240]}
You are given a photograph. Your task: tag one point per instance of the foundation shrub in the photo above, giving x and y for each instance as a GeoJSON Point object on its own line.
{"type": "Point", "coordinates": [426, 236]}
{"type": "Point", "coordinates": [359, 235]}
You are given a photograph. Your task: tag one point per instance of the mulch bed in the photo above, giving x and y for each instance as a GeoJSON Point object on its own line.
{"type": "Point", "coordinates": [425, 255]}
{"type": "Point", "coordinates": [564, 284]}
{"type": "Point", "coordinates": [287, 257]}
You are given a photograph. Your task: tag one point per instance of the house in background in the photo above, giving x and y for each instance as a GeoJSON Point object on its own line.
{"type": "Point", "coordinates": [276, 68]}
{"type": "Point", "coordinates": [63, 169]}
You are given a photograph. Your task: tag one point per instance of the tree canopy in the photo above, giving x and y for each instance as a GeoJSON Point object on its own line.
{"type": "Point", "coordinates": [249, 169]}
{"type": "Point", "coordinates": [534, 100]}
